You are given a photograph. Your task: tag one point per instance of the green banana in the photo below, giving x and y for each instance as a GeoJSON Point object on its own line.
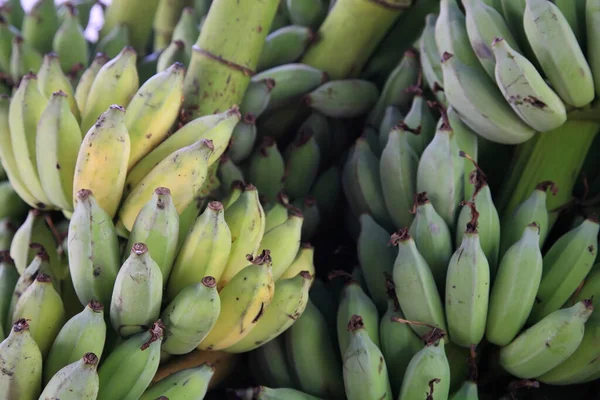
{"type": "Point", "coordinates": [306, 13]}
{"type": "Point", "coordinates": [419, 121]}
{"type": "Point", "coordinates": [40, 25]}
{"type": "Point", "coordinates": [7, 33]}
{"type": "Point", "coordinates": [284, 46]}
{"type": "Point", "coordinates": [592, 16]}
{"type": "Point", "coordinates": [236, 190]}
{"type": "Point", "coordinates": [327, 189]}
{"type": "Point", "coordinates": [7, 232]}
{"type": "Point", "coordinates": [304, 261]}
{"type": "Point", "coordinates": [345, 98]}
{"type": "Point", "coordinates": [302, 161]}
{"type": "Point", "coordinates": [266, 169]}
{"type": "Point", "coordinates": [173, 54]}
{"type": "Point", "coordinates": [267, 393]}
{"type": "Point", "coordinates": [468, 391]}
{"type": "Point", "coordinates": [13, 11]}
{"type": "Point", "coordinates": [114, 41]}
{"type": "Point", "coordinates": [547, 343]}
{"type": "Point", "coordinates": [186, 29]}
{"type": "Point", "coordinates": [451, 35]}
{"type": "Point", "coordinates": [11, 204]}
{"type": "Point", "coordinates": [467, 141]}
{"type": "Point", "coordinates": [70, 43]}
{"type": "Point", "coordinates": [187, 384]}
{"type": "Point", "coordinates": [166, 17]}
{"type": "Point", "coordinates": [93, 251]}
{"type": "Point", "coordinates": [243, 138]}
{"type": "Point", "coordinates": [391, 118]}
{"type": "Point", "coordinates": [277, 212]}
{"type": "Point", "coordinates": [365, 370]}
{"type": "Point", "coordinates": [269, 364]}
{"type": "Point", "coordinates": [24, 59]}
{"type": "Point", "coordinates": [138, 16]}
{"type": "Point", "coordinates": [52, 79]}
{"type": "Point", "coordinates": [229, 172]}
{"type": "Point", "coordinates": [33, 230]}
{"type": "Point", "coordinates": [87, 79]}
{"type": "Point", "coordinates": [429, 57]}
{"type": "Point", "coordinates": [257, 97]}
{"type": "Point", "coordinates": [190, 316]}
{"type": "Point", "coordinates": [137, 293]}
{"type": "Point", "coordinates": [8, 281]}
{"type": "Point", "coordinates": [77, 381]}
{"type": "Point", "coordinates": [284, 239]}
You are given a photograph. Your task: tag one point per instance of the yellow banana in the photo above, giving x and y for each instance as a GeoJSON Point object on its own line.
{"type": "Point", "coordinates": [284, 240]}
{"type": "Point", "coordinates": [87, 79]}
{"type": "Point", "coordinates": [304, 261]}
{"type": "Point", "coordinates": [52, 79]}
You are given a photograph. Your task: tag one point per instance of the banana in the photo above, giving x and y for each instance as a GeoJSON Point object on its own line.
{"type": "Point", "coordinates": [269, 364]}
{"type": "Point", "coordinates": [187, 384]}
{"type": "Point", "coordinates": [229, 172]}
{"type": "Point", "coordinates": [304, 261]}
{"type": "Point", "coordinates": [440, 173]}
{"type": "Point", "coordinates": [391, 118]}
{"type": "Point", "coordinates": [40, 24]}
{"type": "Point", "coordinates": [306, 13]}
{"type": "Point", "coordinates": [365, 370]}
{"type": "Point", "coordinates": [187, 29]}
{"type": "Point", "coordinates": [451, 36]}
{"type": "Point", "coordinates": [243, 138]}
{"type": "Point", "coordinates": [285, 242]}
{"type": "Point", "coordinates": [267, 393]}
{"type": "Point", "coordinates": [183, 172]}
{"type": "Point", "coordinates": [291, 81]}
{"type": "Point", "coordinates": [318, 125]}
{"type": "Point", "coordinates": [467, 141]}
{"type": "Point", "coordinates": [58, 139]}
{"type": "Point", "coordinates": [302, 161]}
{"type": "Point", "coordinates": [428, 373]}
{"type": "Point", "coordinates": [87, 79]}
{"type": "Point", "coordinates": [419, 121]}
{"type": "Point", "coordinates": [257, 96]}
{"type": "Point", "coordinates": [246, 221]}
{"type": "Point", "coordinates": [429, 58]}
{"type": "Point", "coordinates": [7, 232]}
{"type": "Point", "coordinates": [51, 79]}
{"type": "Point", "coordinates": [24, 59]}
{"type": "Point", "coordinates": [41, 304]}
{"type": "Point", "coordinates": [567, 71]}
{"type": "Point", "coordinates": [70, 43]}
{"type": "Point", "coordinates": [153, 110]}
{"type": "Point", "coordinates": [592, 16]}
{"type": "Point", "coordinates": [345, 98]}
{"type": "Point", "coordinates": [533, 209]}
{"type": "Point", "coordinates": [236, 190]}
{"type": "Point", "coordinates": [547, 343]}
{"type": "Point", "coordinates": [116, 82]}
{"type": "Point", "coordinates": [101, 164]}
{"type": "Point", "coordinates": [398, 171]}
{"type": "Point", "coordinates": [243, 303]}
{"type": "Point", "coordinates": [398, 341]}
{"type": "Point", "coordinates": [480, 104]}
{"type": "Point", "coordinates": [415, 286]}
{"type": "Point", "coordinates": [93, 251]}
{"type": "Point", "coordinates": [315, 363]}
{"type": "Point", "coordinates": [266, 168]}
{"type": "Point", "coordinates": [166, 17]}
{"type": "Point", "coordinates": [137, 294]}
{"type": "Point", "coordinates": [174, 53]}
{"type": "Point", "coordinates": [33, 230]}
{"type": "Point", "coordinates": [217, 127]}
{"type": "Point", "coordinates": [85, 332]}
{"type": "Point", "coordinates": [114, 41]}
{"type": "Point", "coordinates": [25, 110]}
{"type": "Point", "coordinates": [8, 281]}
{"type": "Point", "coordinates": [157, 226]}
{"type": "Point", "coordinates": [191, 316]}
{"type": "Point", "coordinates": [484, 24]}
{"type": "Point", "coordinates": [129, 368]}
{"type": "Point", "coordinates": [12, 10]}
{"type": "Point", "coordinates": [284, 46]}
{"type": "Point", "coordinates": [21, 364]}
{"type": "Point", "coordinates": [467, 288]}
{"type": "Point", "coordinates": [566, 265]}
{"type": "Point", "coordinates": [77, 381]}
{"type": "Point", "coordinates": [515, 287]}
{"type": "Point", "coordinates": [393, 93]}
{"type": "Point", "coordinates": [327, 189]}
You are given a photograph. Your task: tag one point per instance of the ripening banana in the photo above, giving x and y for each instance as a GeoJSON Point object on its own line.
{"type": "Point", "coordinates": [76, 381]}
{"type": "Point", "coordinates": [547, 343]}
{"type": "Point", "coordinates": [190, 316]}
{"type": "Point", "coordinates": [24, 59]}
{"type": "Point", "coordinates": [183, 172]}
{"type": "Point", "coordinates": [228, 173]}
{"type": "Point", "coordinates": [129, 368]}
{"type": "Point", "coordinates": [567, 70]}
{"type": "Point", "coordinates": [243, 303]}
{"type": "Point", "coordinates": [101, 163]}
{"type": "Point", "coordinates": [515, 287]}
{"type": "Point", "coordinates": [52, 79]}
{"type": "Point", "coordinates": [85, 332]}
{"type": "Point", "coordinates": [304, 261]}
{"type": "Point", "coordinates": [243, 139]}
{"type": "Point", "coordinates": [86, 80]}
{"type": "Point", "coordinates": [114, 41]}
{"type": "Point", "coordinates": [285, 242]}
{"type": "Point", "coordinates": [566, 265]}
{"type": "Point", "coordinates": [246, 221]}
{"type": "Point", "coordinates": [288, 303]}
{"type": "Point", "coordinates": [187, 384]}
{"type": "Point", "coordinates": [153, 110]}
{"type": "Point", "coordinates": [8, 32]}
{"type": "Point", "coordinates": [467, 288]}
{"type": "Point", "coordinates": [20, 364]}
{"type": "Point", "coordinates": [93, 251]}
{"type": "Point", "coordinates": [137, 294]}
{"type": "Point", "coordinates": [70, 42]}
{"type": "Point", "coordinates": [365, 370]}
{"type": "Point", "coordinates": [34, 230]}
{"type": "Point", "coordinates": [235, 191]}
{"type": "Point", "coordinates": [526, 90]}
{"type": "Point", "coordinates": [40, 24]}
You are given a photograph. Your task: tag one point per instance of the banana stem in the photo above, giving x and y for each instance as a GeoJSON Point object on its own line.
{"type": "Point", "coordinates": [558, 156]}
{"type": "Point", "coordinates": [226, 53]}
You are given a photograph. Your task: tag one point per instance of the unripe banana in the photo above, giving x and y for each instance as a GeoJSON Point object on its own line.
{"type": "Point", "coordinates": [58, 139]}
{"type": "Point", "coordinates": [304, 261]}
{"type": "Point", "coordinates": [13, 11]}
{"type": "Point", "coordinates": [468, 391]}
{"type": "Point", "coordinates": [129, 368]}
{"type": "Point", "coordinates": [257, 97]}
{"type": "Point", "coordinates": [236, 190]}
{"type": "Point", "coordinates": [302, 161]}
{"type": "Point", "coordinates": [70, 43]}
{"type": "Point", "coordinates": [451, 35]}
{"type": "Point", "coordinates": [157, 226]}
{"type": "Point", "coordinates": [7, 232]}
{"type": "Point", "coordinates": [312, 216]}
{"type": "Point", "coordinates": [533, 209]}
{"type": "Point", "coordinates": [115, 83]}
{"type": "Point", "coordinates": [11, 206]}
{"type": "Point", "coordinates": [8, 32]}
{"type": "Point", "coordinates": [567, 71]}
{"type": "Point", "coordinates": [468, 288]}
{"type": "Point", "coordinates": [467, 141]}
{"type": "Point", "coordinates": [327, 190]}
{"type": "Point", "coordinates": [153, 110]}
{"type": "Point", "coordinates": [187, 384]}
{"type": "Point", "coordinates": [51, 79]}
{"type": "Point", "coordinates": [217, 127]}
{"type": "Point", "coordinates": [8, 281]}
{"type": "Point", "coordinates": [419, 121]}
{"type": "Point", "coordinates": [243, 302]}
{"type": "Point", "coordinates": [228, 173]}
{"type": "Point", "coordinates": [398, 171]}
{"type": "Point", "coordinates": [592, 18]}
{"type": "Point", "coordinates": [190, 316]}
{"type": "Point", "coordinates": [284, 46]}
{"type": "Point", "coordinates": [566, 265]}
{"type": "Point", "coordinates": [137, 294]}
{"type": "Point", "coordinates": [269, 364]}
{"type": "Point", "coordinates": [277, 213]}
{"type": "Point", "coordinates": [306, 13]}
{"type": "Point", "coordinates": [24, 59]}
{"type": "Point", "coordinates": [285, 242]}
{"type": "Point", "coordinates": [345, 98]}
{"type": "Point", "coordinates": [77, 381]}
{"type": "Point", "coordinates": [481, 104]}
{"type": "Point", "coordinates": [391, 118]}
{"type": "Point", "coordinates": [266, 169]}
{"type": "Point", "coordinates": [174, 53]}
{"type": "Point", "coordinates": [41, 304]}
{"type": "Point", "coordinates": [547, 343]}
{"type": "Point", "coordinates": [415, 286]}
{"type": "Point", "coordinates": [187, 29]}
{"type": "Point", "coordinates": [246, 221]}
{"type": "Point", "coordinates": [87, 79]}
{"type": "Point", "coordinates": [33, 230]}
{"type": "Point", "coordinates": [243, 138]}
{"type": "Point", "coordinates": [21, 364]}
{"type": "Point", "coordinates": [183, 172]}
{"type": "Point", "coordinates": [114, 41]}
{"type": "Point", "coordinates": [40, 24]}
{"type": "Point", "coordinates": [279, 393]}
{"type": "Point", "coordinates": [365, 370]}
{"type": "Point", "coordinates": [85, 332]}
{"type": "Point", "coordinates": [431, 65]}
{"type": "Point", "coordinates": [93, 251]}
{"type": "Point", "coordinates": [440, 173]}
{"type": "Point", "coordinates": [166, 17]}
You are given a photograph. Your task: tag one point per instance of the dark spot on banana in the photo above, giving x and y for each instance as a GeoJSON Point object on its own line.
{"type": "Point", "coordinates": [534, 101]}
{"type": "Point", "coordinates": [547, 344]}
{"type": "Point", "coordinates": [260, 313]}
{"type": "Point", "coordinates": [538, 300]}
{"type": "Point", "coordinates": [380, 366]}
{"type": "Point", "coordinates": [591, 248]}
{"type": "Point", "coordinates": [57, 166]}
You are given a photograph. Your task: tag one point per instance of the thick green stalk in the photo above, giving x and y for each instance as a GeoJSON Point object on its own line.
{"type": "Point", "coordinates": [557, 156]}
{"type": "Point", "coordinates": [226, 54]}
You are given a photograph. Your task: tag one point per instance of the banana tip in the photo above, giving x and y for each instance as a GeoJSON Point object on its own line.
{"type": "Point", "coordinates": [90, 359]}
{"type": "Point", "coordinates": [20, 325]}
{"type": "Point", "coordinates": [356, 323]}
{"type": "Point", "coordinates": [215, 205]}
{"type": "Point", "coordinates": [139, 249]}
{"type": "Point", "coordinates": [209, 281]}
